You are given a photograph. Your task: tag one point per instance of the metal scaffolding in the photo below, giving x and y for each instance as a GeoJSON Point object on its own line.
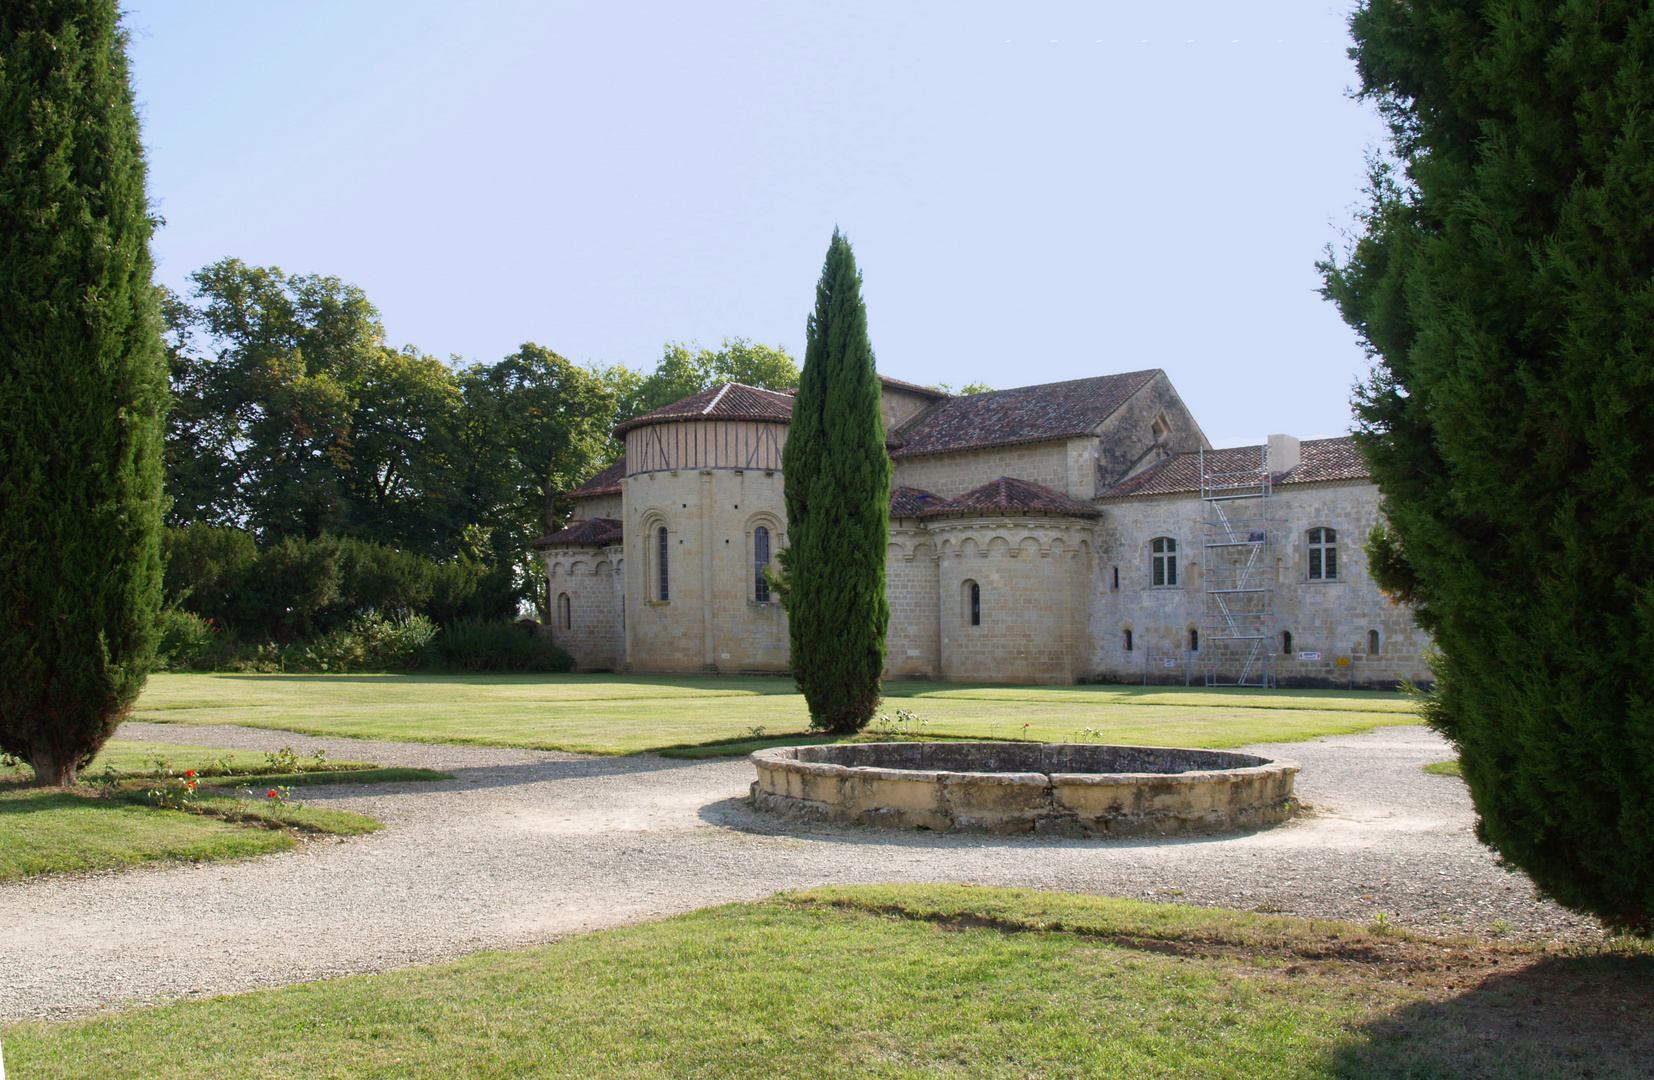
{"type": "Point", "coordinates": [1238, 636]}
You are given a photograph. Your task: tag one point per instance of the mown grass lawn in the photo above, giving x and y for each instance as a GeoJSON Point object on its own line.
{"type": "Point", "coordinates": [612, 714]}
{"type": "Point", "coordinates": [52, 830]}
{"type": "Point", "coordinates": [907, 981]}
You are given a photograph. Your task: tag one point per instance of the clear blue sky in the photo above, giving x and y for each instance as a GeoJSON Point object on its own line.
{"type": "Point", "coordinates": [1035, 191]}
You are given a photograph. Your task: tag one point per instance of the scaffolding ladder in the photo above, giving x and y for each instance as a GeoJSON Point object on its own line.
{"type": "Point", "coordinates": [1238, 567]}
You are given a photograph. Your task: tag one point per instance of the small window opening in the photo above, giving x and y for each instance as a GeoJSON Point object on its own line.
{"type": "Point", "coordinates": [665, 578]}
{"type": "Point", "coordinates": [1286, 642]}
{"type": "Point", "coordinates": [1128, 641]}
{"type": "Point", "coordinates": [760, 560]}
{"type": "Point", "coordinates": [973, 604]}
{"type": "Point", "coordinates": [1116, 577]}
{"type": "Point", "coordinates": [1164, 550]}
{"type": "Point", "coordinates": [1372, 643]}
{"type": "Point", "coordinates": [1159, 427]}
{"type": "Point", "coordinates": [1323, 554]}
{"type": "Point", "coordinates": [1194, 640]}
{"type": "Point", "coordinates": [565, 618]}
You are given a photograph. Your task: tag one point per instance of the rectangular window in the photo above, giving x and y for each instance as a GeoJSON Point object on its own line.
{"type": "Point", "coordinates": [1323, 554]}
{"type": "Point", "coordinates": [665, 587]}
{"type": "Point", "coordinates": [1164, 568]}
{"type": "Point", "coordinates": [760, 559]}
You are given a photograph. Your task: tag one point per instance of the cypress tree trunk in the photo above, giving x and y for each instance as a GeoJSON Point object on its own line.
{"type": "Point", "coordinates": [1505, 287]}
{"type": "Point", "coordinates": [82, 386]}
{"type": "Point", "coordinates": [836, 473]}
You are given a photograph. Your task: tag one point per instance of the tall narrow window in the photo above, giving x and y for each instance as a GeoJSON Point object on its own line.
{"type": "Point", "coordinates": [976, 604]}
{"type": "Point", "coordinates": [1128, 641]}
{"type": "Point", "coordinates": [565, 618]}
{"type": "Point", "coordinates": [1323, 554]}
{"type": "Point", "coordinates": [1194, 640]}
{"type": "Point", "coordinates": [665, 579]}
{"type": "Point", "coordinates": [1372, 643]}
{"type": "Point", "coordinates": [1116, 577]}
{"type": "Point", "coordinates": [1164, 550]}
{"type": "Point", "coordinates": [1286, 642]}
{"type": "Point", "coordinates": [760, 559]}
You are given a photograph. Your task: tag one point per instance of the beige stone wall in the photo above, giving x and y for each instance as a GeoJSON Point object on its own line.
{"type": "Point", "coordinates": [897, 407]}
{"type": "Point", "coordinates": [1128, 444]}
{"type": "Point", "coordinates": [597, 506]}
{"type": "Point", "coordinates": [911, 583]}
{"type": "Point", "coordinates": [711, 619]}
{"type": "Point", "coordinates": [1032, 573]}
{"type": "Point", "coordinates": [590, 578]}
{"type": "Point", "coordinates": [1334, 618]}
{"type": "Point", "coordinates": [951, 475]}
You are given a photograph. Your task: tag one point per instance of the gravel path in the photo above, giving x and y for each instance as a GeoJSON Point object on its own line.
{"type": "Point", "coordinates": [525, 846]}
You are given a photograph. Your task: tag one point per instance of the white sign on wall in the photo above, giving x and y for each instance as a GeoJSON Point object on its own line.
{"type": "Point", "coordinates": [1168, 663]}
{"type": "Point", "coordinates": [1309, 656]}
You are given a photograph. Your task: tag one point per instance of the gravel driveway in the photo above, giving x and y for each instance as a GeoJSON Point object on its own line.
{"type": "Point", "coordinates": [525, 846]}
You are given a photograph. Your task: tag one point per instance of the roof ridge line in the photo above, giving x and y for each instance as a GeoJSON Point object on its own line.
{"type": "Point", "coordinates": [719, 396]}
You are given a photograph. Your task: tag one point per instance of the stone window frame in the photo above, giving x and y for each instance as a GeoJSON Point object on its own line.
{"type": "Point", "coordinates": [1315, 555]}
{"type": "Point", "coordinates": [565, 612]}
{"type": "Point", "coordinates": [1286, 642]}
{"type": "Point", "coordinates": [1375, 642]}
{"type": "Point", "coordinates": [654, 520]}
{"type": "Point", "coordinates": [1162, 561]}
{"type": "Point", "coordinates": [765, 519]}
{"type": "Point", "coordinates": [970, 602]}
{"type": "Point", "coordinates": [1126, 643]}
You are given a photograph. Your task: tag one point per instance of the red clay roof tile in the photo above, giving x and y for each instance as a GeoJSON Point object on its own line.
{"type": "Point", "coordinates": [1008, 495]}
{"type": "Point", "coordinates": [1022, 415]}
{"type": "Point", "coordinates": [726, 401]}
{"type": "Point", "coordinates": [591, 533]}
{"type": "Point", "coordinates": [1320, 460]}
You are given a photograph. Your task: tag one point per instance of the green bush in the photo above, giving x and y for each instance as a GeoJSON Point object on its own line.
{"type": "Point", "coordinates": [482, 645]}
{"type": "Point", "coordinates": [187, 640]}
{"type": "Point", "coordinates": [371, 643]}
{"type": "Point", "coordinates": [300, 590]}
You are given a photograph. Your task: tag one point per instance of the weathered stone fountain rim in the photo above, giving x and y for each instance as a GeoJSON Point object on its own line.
{"type": "Point", "coordinates": [776, 757]}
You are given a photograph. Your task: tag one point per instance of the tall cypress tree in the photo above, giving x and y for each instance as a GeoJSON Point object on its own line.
{"type": "Point", "coordinates": [1505, 288]}
{"type": "Point", "coordinates": [82, 386]}
{"type": "Point", "coordinates": [837, 484]}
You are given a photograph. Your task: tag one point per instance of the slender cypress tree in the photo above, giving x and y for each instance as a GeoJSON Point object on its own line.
{"type": "Point", "coordinates": [1505, 288]}
{"type": "Point", "coordinates": [82, 386]}
{"type": "Point", "coordinates": [837, 484]}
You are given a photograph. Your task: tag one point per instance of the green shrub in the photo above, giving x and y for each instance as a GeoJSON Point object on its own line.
{"type": "Point", "coordinates": [187, 640]}
{"type": "Point", "coordinates": [482, 645]}
{"type": "Point", "coordinates": [371, 643]}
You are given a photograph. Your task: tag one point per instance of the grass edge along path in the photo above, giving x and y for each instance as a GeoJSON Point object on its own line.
{"type": "Point", "coordinates": [933, 980]}
{"type": "Point", "coordinates": [113, 824]}
{"type": "Point", "coordinates": [605, 714]}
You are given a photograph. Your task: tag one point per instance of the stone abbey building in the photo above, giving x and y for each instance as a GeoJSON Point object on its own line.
{"type": "Point", "coordinates": [1068, 532]}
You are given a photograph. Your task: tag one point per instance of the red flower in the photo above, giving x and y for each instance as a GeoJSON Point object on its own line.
{"type": "Point", "coordinates": [189, 772]}
{"type": "Point", "coordinates": [271, 794]}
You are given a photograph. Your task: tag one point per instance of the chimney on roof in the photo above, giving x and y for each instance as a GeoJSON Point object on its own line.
{"type": "Point", "coordinates": [1284, 454]}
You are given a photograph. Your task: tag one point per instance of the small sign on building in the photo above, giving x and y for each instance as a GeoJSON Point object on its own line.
{"type": "Point", "coordinates": [1309, 656]}
{"type": "Point", "coordinates": [1343, 661]}
{"type": "Point", "coordinates": [1168, 663]}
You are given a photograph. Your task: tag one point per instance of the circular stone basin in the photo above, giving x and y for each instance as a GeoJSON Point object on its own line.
{"type": "Point", "coordinates": [1014, 787]}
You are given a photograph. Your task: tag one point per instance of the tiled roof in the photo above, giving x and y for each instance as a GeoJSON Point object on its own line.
{"type": "Point", "coordinates": [726, 401]}
{"type": "Point", "coordinates": [912, 388]}
{"type": "Point", "coordinates": [606, 482]}
{"type": "Point", "coordinates": [1023, 415]}
{"type": "Point", "coordinates": [591, 533]}
{"type": "Point", "coordinates": [906, 502]}
{"type": "Point", "coordinates": [1320, 460]}
{"type": "Point", "coordinates": [1008, 495]}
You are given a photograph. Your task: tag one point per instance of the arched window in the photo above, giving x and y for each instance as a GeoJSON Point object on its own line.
{"type": "Point", "coordinates": [662, 559]}
{"type": "Point", "coordinates": [1323, 554]}
{"type": "Point", "coordinates": [973, 603]}
{"type": "Point", "coordinates": [1372, 643]}
{"type": "Point", "coordinates": [1164, 560]}
{"type": "Point", "coordinates": [565, 618]}
{"type": "Point", "coordinates": [1286, 642]}
{"type": "Point", "coordinates": [1194, 640]}
{"type": "Point", "coordinates": [760, 559]}
{"type": "Point", "coordinates": [1128, 641]}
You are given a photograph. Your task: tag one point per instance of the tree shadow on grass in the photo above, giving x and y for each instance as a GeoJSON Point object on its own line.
{"type": "Point", "coordinates": [1590, 1017]}
{"type": "Point", "coordinates": [28, 799]}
